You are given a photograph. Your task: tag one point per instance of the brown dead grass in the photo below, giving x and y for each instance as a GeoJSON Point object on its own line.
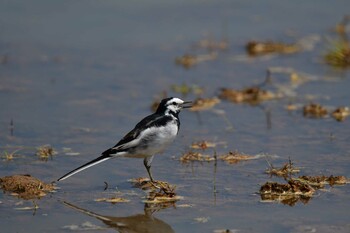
{"type": "Point", "coordinates": [255, 48]}
{"type": "Point", "coordinates": [250, 95]}
{"type": "Point", "coordinates": [25, 186]}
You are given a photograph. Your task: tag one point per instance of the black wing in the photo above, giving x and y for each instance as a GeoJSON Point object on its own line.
{"type": "Point", "coordinates": [149, 121]}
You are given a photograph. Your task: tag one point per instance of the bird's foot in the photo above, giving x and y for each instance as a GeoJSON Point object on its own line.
{"type": "Point", "coordinates": [145, 183]}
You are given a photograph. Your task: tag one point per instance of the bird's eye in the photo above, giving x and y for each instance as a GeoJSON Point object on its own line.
{"type": "Point", "coordinates": [174, 103]}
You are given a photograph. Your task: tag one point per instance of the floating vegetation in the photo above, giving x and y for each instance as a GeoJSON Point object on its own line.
{"type": "Point", "coordinates": [8, 156]}
{"type": "Point", "coordinates": [255, 48]}
{"type": "Point", "coordinates": [235, 157]}
{"type": "Point", "coordinates": [340, 27]}
{"type": "Point", "coordinates": [341, 113]}
{"type": "Point", "coordinates": [250, 95]}
{"type": "Point", "coordinates": [160, 192]}
{"type": "Point", "coordinates": [230, 157]}
{"type": "Point", "coordinates": [161, 197]}
{"type": "Point", "coordinates": [314, 110]}
{"type": "Point", "coordinates": [25, 186]}
{"type": "Point", "coordinates": [318, 111]}
{"type": "Point", "coordinates": [188, 60]}
{"type": "Point", "coordinates": [113, 200]}
{"type": "Point", "coordinates": [202, 104]}
{"type": "Point", "coordinates": [288, 193]}
{"type": "Point", "coordinates": [285, 171]}
{"type": "Point", "coordinates": [45, 151]}
{"type": "Point", "coordinates": [203, 145]}
{"type": "Point", "coordinates": [155, 201]}
{"type": "Point", "coordinates": [291, 107]}
{"type": "Point", "coordinates": [142, 182]}
{"type": "Point", "coordinates": [196, 156]}
{"type": "Point", "coordinates": [146, 184]}
{"type": "Point", "coordinates": [339, 55]}
{"type": "Point", "coordinates": [320, 181]}
{"type": "Point", "coordinates": [296, 189]}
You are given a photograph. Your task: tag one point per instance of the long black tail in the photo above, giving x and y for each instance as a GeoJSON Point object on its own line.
{"type": "Point", "coordinates": [98, 160]}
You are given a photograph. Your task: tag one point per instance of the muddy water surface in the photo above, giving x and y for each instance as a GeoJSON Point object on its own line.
{"type": "Point", "coordinates": [79, 75]}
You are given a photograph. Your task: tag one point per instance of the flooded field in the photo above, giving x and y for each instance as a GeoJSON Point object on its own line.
{"type": "Point", "coordinates": [264, 149]}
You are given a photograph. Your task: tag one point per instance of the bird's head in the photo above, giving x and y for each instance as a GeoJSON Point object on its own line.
{"type": "Point", "coordinates": [172, 105]}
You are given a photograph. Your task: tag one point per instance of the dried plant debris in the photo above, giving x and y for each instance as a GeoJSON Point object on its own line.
{"type": "Point", "coordinates": [203, 145]}
{"type": "Point", "coordinates": [230, 158]}
{"type": "Point", "coordinates": [314, 110]}
{"type": "Point", "coordinates": [202, 104]}
{"type": "Point", "coordinates": [146, 184]}
{"type": "Point", "coordinates": [186, 60]}
{"type": "Point", "coordinates": [235, 157]}
{"type": "Point", "coordinates": [286, 80]}
{"type": "Point", "coordinates": [292, 107]}
{"type": "Point", "coordinates": [45, 152]}
{"type": "Point", "coordinates": [320, 181]}
{"type": "Point", "coordinates": [251, 95]}
{"type": "Point", "coordinates": [339, 55]}
{"type": "Point", "coordinates": [160, 192]}
{"type": "Point", "coordinates": [341, 27]}
{"type": "Point", "coordinates": [285, 171]}
{"type": "Point", "coordinates": [161, 197]}
{"type": "Point", "coordinates": [341, 113]}
{"type": "Point", "coordinates": [25, 186]}
{"type": "Point", "coordinates": [189, 60]}
{"type": "Point", "coordinates": [8, 156]}
{"type": "Point", "coordinates": [113, 200]}
{"type": "Point", "coordinates": [142, 182]}
{"type": "Point", "coordinates": [297, 189]}
{"type": "Point", "coordinates": [196, 156]}
{"type": "Point", "coordinates": [288, 193]}
{"type": "Point", "coordinates": [255, 48]}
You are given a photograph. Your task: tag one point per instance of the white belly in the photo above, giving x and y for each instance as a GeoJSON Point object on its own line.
{"type": "Point", "coordinates": [154, 141]}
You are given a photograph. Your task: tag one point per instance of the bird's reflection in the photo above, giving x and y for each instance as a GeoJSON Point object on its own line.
{"type": "Point", "coordinates": [138, 223]}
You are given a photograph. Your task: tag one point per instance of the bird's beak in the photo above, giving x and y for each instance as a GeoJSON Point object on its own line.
{"type": "Point", "coordinates": [186, 104]}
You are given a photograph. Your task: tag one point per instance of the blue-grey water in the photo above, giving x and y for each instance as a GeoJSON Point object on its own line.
{"type": "Point", "coordinates": [81, 74]}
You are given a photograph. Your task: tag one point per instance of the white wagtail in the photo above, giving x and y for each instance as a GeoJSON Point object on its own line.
{"type": "Point", "coordinates": [149, 137]}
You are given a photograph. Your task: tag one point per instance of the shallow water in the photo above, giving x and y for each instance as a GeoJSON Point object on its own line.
{"type": "Point", "coordinates": [81, 75]}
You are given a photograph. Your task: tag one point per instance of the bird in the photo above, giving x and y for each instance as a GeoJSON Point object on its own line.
{"type": "Point", "coordinates": [149, 137]}
{"type": "Point", "coordinates": [142, 222]}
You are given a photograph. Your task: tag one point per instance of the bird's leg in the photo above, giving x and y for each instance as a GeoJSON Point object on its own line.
{"type": "Point", "coordinates": [147, 162]}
